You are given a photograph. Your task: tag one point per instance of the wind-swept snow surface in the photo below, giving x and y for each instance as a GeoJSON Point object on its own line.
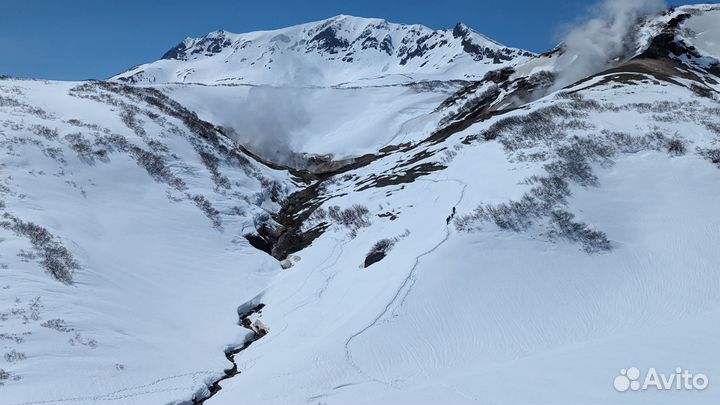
{"type": "Point", "coordinates": [493, 315]}
{"type": "Point", "coordinates": [490, 239]}
{"type": "Point", "coordinates": [142, 210]}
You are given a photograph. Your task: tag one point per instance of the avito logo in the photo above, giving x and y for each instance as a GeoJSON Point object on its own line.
{"type": "Point", "coordinates": [630, 379]}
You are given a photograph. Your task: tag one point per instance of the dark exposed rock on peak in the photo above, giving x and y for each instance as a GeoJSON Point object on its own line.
{"type": "Point", "coordinates": [327, 41]}
{"type": "Point", "coordinates": [208, 45]}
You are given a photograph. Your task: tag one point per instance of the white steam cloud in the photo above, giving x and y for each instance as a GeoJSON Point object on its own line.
{"type": "Point", "coordinates": [603, 40]}
{"type": "Point", "coordinates": [268, 120]}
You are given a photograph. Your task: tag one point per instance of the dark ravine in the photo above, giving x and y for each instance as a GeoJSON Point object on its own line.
{"type": "Point", "coordinates": [214, 387]}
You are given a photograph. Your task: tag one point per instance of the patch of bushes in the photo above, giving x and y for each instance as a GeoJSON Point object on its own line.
{"type": "Point", "coordinates": [542, 136]}
{"type": "Point", "coordinates": [353, 218]}
{"type": "Point", "coordinates": [129, 117]}
{"type": "Point", "coordinates": [713, 155]}
{"type": "Point", "coordinates": [14, 356]}
{"type": "Point", "coordinates": [78, 338]}
{"type": "Point", "coordinates": [57, 324]}
{"type": "Point", "coordinates": [592, 241]}
{"type": "Point", "coordinates": [676, 147]}
{"type": "Point", "coordinates": [473, 102]}
{"type": "Point", "coordinates": [207, 208]}
{"type": "Point", "coordinates": [14, 103]}
{"type": "Point", "coordinates": [45, 132]}
{"type": "Point", "coordinates": [84, 148]}
{"type": "Point", "coordinates": [517, 216]}
{"type": "Point", "coordinates": [54, 257]}
{"type": "Point", "coordinates": [11, 336]}
{"type": "Point", "coordinates": [212, 163]}
{"type": "Point", "coordinates": [8, 376]}
{"type": "Point", "coordinates": [154, 164]}
{"type": "Point", "coordinates": [573, 160]}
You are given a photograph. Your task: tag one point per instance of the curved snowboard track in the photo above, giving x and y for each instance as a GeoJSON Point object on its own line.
{"type": "Point", "coordinates": [402, 292]}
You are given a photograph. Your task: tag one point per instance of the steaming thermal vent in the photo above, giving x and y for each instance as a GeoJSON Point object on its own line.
{"type": "Point", "coordinates": [605, 39]}
{"type": "Point", "coordinates": [266, 122]}
{"type": "Point", "coordinates": [272, 116]}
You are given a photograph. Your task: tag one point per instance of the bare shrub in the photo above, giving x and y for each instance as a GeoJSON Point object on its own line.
{"type": "Point", "coordinates": [54, 257]}
{"type": "Point", "coordinates": [318, 216]}
{"type": "Point", "coordinates": [113, 142]}
{"type": "Point", "coordinates": [713, 155]}
{"type": "Point", "coordinates": [517, 216]}
{"type": "Point", "coordinates": [207, 208]}
{"type": "Point", "coordinates": [55, 153]}
{"type": "Point", "coordinates": [574, 160]}
{"type": "Point", "coordinates": [154, 164]}
{"type": "Point", "coordinates": [57, 324]}
{"type": "Point", "coordinates": [157, 146]}
{"type": "Point", "coordinates": [212, 163]}
{"type": "Point", "coordinates": [11, 336]}
{"type": "Point", "coordinates": [448, 155]}
{"type": "Point", "coordinates": [129, 117]}
{"type": "Point", "coordinates": [353, 218]}
{"type": "Point", "coordinates": [8, 376]}
{"type": "Point", "coordinates": [32, 110]}
{"type": "Point", "coordinates": [471, 103]}
{"type": "Point", "coordinates": [83, 148]}
{"type": "Point", "coordinates": [89, 342]}
{"type": "Point", "coordinates": [713, 127]}
{"type": "Point", "coordinates": [45, 132]}
{"type": "Point", "coordinates": [676, 147]}
{"type": "Point", "coordinates": [14, 356]}
{"type": "Point", "coordinates": [26, 256]}
{"type": "Point", "coordinates": [593, 241]}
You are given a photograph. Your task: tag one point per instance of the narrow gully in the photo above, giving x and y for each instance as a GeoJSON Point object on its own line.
{"type": "Point", "coordinates": [214, 387]}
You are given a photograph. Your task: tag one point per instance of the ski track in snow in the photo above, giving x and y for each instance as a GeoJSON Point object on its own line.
{"type": "Point", "coordinates": [338, 244]}
{"type": "Point", "coordinates": [402, 292]}
{"type": "Point", "coordinates": [118, 394]}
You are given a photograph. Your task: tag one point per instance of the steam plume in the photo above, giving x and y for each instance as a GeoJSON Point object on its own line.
{"type": "Point", "coordinates": [605, 39]}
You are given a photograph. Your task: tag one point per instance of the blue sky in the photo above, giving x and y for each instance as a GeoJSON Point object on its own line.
{"type": "Point", "coordinates": [94, 39]}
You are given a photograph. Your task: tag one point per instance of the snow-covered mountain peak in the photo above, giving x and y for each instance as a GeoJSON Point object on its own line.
{"type": "Point", "coordinates": [335, 50]}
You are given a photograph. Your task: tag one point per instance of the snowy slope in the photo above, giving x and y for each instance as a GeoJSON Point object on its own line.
{"type": "Point", "coordinates": [522, 306]}
{"type": "Point", "coordinates": [340, 121]}
{"type": "Point", "coordinates": [146, 255]}
{"type": "Point", "coordinates": [583, 239]}
{"type": "Point", "coordinates": [493, 315]}
{"type": "Point", "coordinates": [342, 49]}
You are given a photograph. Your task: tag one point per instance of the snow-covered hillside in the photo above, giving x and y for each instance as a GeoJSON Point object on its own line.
{"type": "Point", "coordinates": [122, 244]}
{"type": "Point", "coordinates": [340, 121]}
{"type": "Point", "coordinates": [582, 244]}
{"type": "Point", "coordinates": [515, 239]}
{"type": "Point", "coordinates": [342, 49]}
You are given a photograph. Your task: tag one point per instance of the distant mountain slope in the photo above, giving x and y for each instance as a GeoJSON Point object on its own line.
{"type": "Point", "coordinates": [329, 52]}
